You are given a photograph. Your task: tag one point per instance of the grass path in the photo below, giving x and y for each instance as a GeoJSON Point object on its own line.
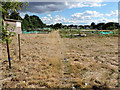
{"type": "Point", "coordinates": [57, 52]}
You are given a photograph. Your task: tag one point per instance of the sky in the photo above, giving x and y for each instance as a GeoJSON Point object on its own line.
{"type": "Point", "coordinates": [76, 13]}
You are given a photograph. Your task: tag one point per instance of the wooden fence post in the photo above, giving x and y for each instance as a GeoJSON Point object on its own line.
{"type": "Point", "coordinates": [19, 46]}
{"type": "Point", "coordinates": [8, 53]}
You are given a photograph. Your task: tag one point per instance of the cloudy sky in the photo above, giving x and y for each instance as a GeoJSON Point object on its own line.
{"type": "Point", "coordinates": [69, 12]}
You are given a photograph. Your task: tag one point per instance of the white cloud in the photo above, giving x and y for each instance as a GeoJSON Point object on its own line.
{"type": "Point", "coordinates": [97, 5]}
{"type": "Point", "coordinates": [53, 20]}
{"type": "Point", "coordinates": [105, 20]}
{"type": "Point", "coordinates": [80, 18]}
{"type": "Point", "coordinates": [84, 4]}
{"type": "Point", "coordinates": [46, 19]}
{"type": "Point", "coordinates": [49, 15]}
{"type": "Point", "coordinates": [112, 13]}
{"type": "Point", "coordinates": [77, 18]}
{"type": "Point", "coordinates": [77, 5]}
{"type": "Point", "coordinates": [58, 19]}
{"type": "Point", "coordinates": [87, 14]}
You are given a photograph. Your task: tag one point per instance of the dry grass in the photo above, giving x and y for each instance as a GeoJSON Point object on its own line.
{"type": "Point", "coordinates": [91, 62]}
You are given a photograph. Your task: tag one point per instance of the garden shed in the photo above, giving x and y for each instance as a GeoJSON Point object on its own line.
{"type": "Point", "coordinates": [12, 23]}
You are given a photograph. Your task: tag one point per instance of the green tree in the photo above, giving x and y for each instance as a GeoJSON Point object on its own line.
{"type": "Point", "coordinates": [100, 26]}
{"type": "Point", "coordinates": [25, 24]}
{"type": "Point", "coordinates": [111, 25]}
{"type": "Point", "coordinates": [36, 21]}
{"type": "Point", "coordinates": [32, 22]}
{"type": "Point", "coordinates": [15, 15]}
{"type": "Point", "coordinates": [92, 25]}
{"type": "Point", "coordinates": [27, 17]}
{"type": "Point", "coordinates": [110, 28]}
{"type": "Point", "coordinates": [81, 26]}
{"type": "Point", "coordinates": [52, 26]}
{"type": "Point", "coordinates": [58, 26]}
{"type": "Point", "coordinates": [10, 7]}
{"type": "Point", "coordinates": [7, 9]}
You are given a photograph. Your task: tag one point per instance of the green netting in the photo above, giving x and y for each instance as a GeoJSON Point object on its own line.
{"type": "Point", "coordinates": [23, 32]}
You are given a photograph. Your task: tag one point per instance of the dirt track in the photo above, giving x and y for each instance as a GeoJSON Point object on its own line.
{"type": "Point", "coordinates": [51, 61]}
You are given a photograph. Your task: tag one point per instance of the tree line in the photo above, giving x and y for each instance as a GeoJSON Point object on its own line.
{"type": "Point", "coordinates": [99, 26]}
{"type": "Point", "coordinates": [31, 22]}
{"type": "Point", "coordinates": [34, 22]}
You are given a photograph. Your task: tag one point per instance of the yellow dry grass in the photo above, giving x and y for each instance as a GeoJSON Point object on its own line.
{"type": "Point", "coordinates": [91, 61]}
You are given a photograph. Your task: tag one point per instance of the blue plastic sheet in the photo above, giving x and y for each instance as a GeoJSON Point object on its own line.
{"type": "Point", "coordinates": [106, 32]}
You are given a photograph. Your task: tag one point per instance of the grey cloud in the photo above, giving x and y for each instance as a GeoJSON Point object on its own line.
{"type": "Point", "coordinates": [43, 7]}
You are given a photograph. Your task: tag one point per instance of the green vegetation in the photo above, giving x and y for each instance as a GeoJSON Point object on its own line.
{"type": "Point", "coordinates": [7, 33]}
{"type": "Point", "coordinates": [15, 15]}
{"type": "Point", "coordinates": [10, 7]}
{"type": "Point", "coordinates": [72, 33]}
{"type": "Point", "coordinates": [7, 11]}
{"type": "Point", "coordinates": [11, 10]}
{"type": "Point", "coordinates": [32, 22]}
{"type": "Point", "coordinates": [56, 26]}
{"type": "Point", "coordinates": [99, 26]}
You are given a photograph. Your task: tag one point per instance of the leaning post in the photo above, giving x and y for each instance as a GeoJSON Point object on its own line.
{"type": "Point", "coordinates": [19, 46]}
{"type": "Point", "coordinates": [8, 53]}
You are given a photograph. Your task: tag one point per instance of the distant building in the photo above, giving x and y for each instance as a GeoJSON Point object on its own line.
{"type": "Point", "coordinates": [73, 27]}
{"type": "Point", "coordinates": [14, 23]}
{"type": "Point", "coordinates": [86, 27]}
{"type": "Point", "coordinates": [78, 27]}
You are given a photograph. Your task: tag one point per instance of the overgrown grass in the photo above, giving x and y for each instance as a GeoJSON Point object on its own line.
{"type": "Point", "coordinates": [70, 33]}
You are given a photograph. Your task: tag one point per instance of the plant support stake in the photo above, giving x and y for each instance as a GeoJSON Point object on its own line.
{"type": "Point", "coordinates": [8, 53]}
{"type": "Point", "coordinates": [19, 46]}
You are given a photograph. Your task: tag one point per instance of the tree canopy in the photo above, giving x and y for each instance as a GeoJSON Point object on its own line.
{"type": "Point", "coordinates": [9, 8]}
{"type": "Point", "coordinates": [99, 26]}
{"type": "Point", "coordinates": [15, 15]}
{"type": "Point", "coordinates": [92, 25]}
{"type": "Point", "coordinates": [32, 22]}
